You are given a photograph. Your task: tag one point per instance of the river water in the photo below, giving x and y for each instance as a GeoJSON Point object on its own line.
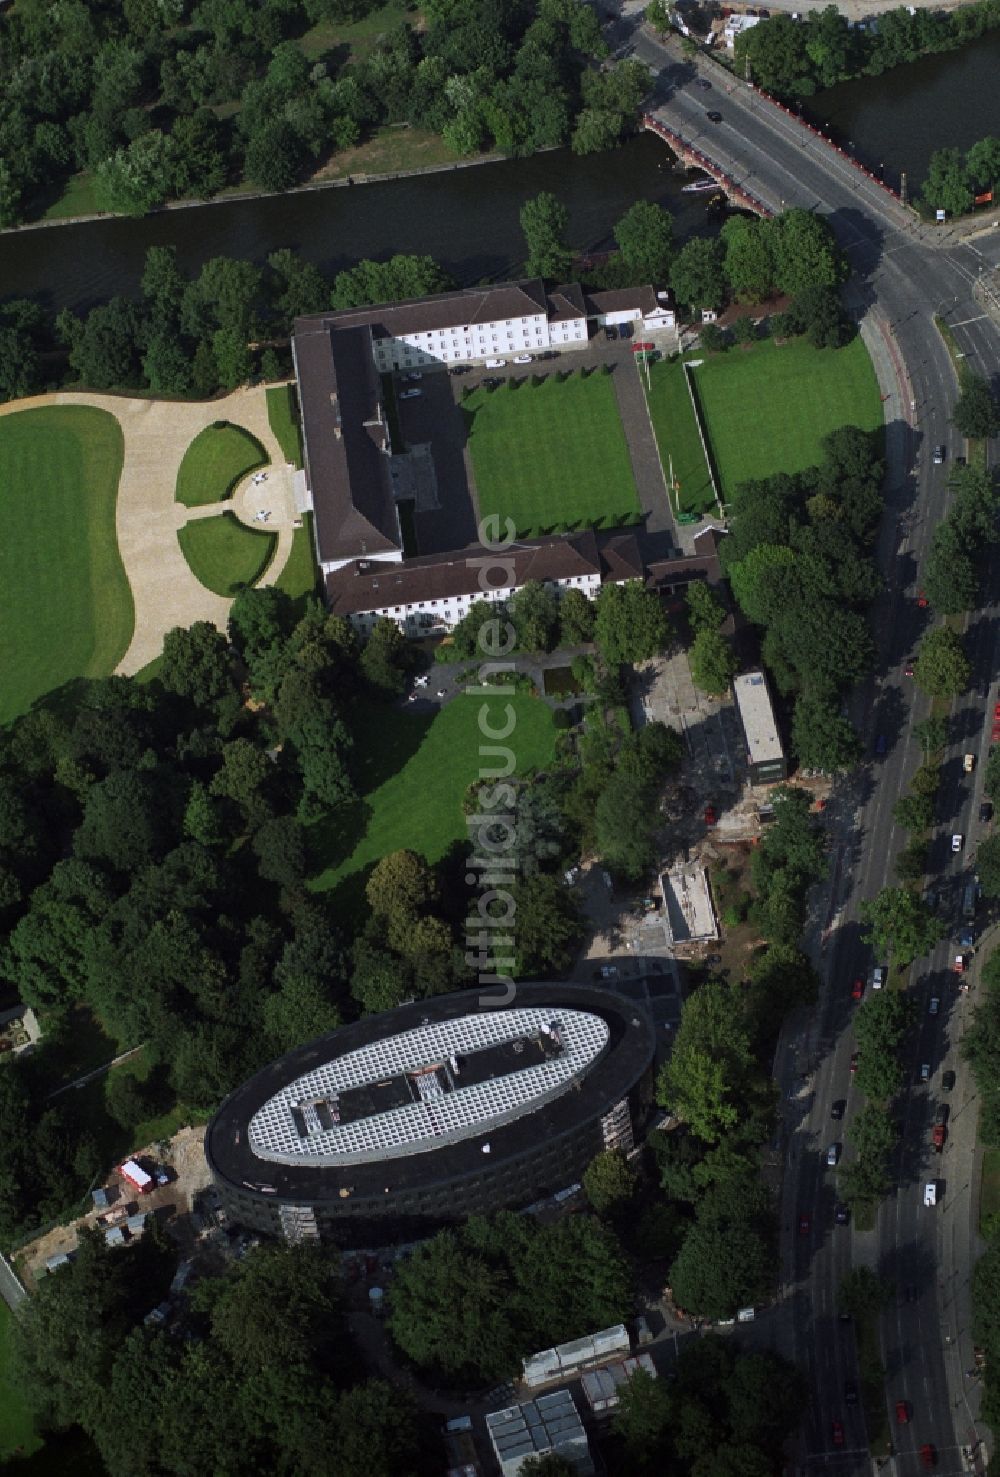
{"type": "Point", "coordinates": [466, 218]}
{"type": "Point", "coordinates": [899, 119]}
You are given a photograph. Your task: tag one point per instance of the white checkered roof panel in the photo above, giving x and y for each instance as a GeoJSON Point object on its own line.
{"type": "Point", "coordinates": [435, 1117]}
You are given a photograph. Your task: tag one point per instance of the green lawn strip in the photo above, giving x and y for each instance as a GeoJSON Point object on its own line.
{"type": "Point", "coordinates": [17, 1429]}
{"type": "Point", "coordinates": [872, 1374]}
{"type": "Point", "coordinates": [224, 554]}
{"type": "Point", "coordinates": [283, 415]}
{"type": "Point", "coordinates": [768, 408]}
{"type": "Point", "coordinates": [298, 578]}
{"type": "Point", "coordinates": [413, 774]}
{"type": "Point", "coordinates": [989, 1190]}
{"type": "Point", "coordinates": [78, 197]}
{"type": "Point", "coordinates": [149, 671]}
{"type": "Point", "coordinates": [551, 456]}
{"type": "Point", "coordinates": [677, 438]}
{"type": "Point", "coordinates": [359, 36]}
{"type": "Point", "coordinates": [217, 459]}
{"type": "Point", "coordinates": [65, 604]}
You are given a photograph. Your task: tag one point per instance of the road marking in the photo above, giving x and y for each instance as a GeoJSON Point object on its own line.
{"type": "Point", "coordinates": [966, 321]}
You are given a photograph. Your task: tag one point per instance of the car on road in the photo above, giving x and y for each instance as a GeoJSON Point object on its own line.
{"type": "Point", "coordinates": [522, 359]}
{"type": "Point", "coordinates": [837, 1108]}
{"type": "Point", "coordinates": [995, 733]}
{"type": "Point", "coordinates": [610, 332]}
{"type": "Point", "coordinates": [922, 600]}
{"type": "Point", "coordinates": [703, 83]}
{"type": "Point", "coordinates": [850, 1393]}
{"type": "Point", "coordinates": [713, 116]}
{"type": "Point", "coordinates": [967, 938]}
{"type": "Point", "coordinates": [959, 964]}
{"type": "Point", "coordinates": [495, 363]}
{"type": "Point", "coordinates": [460, 369]}
{"type": "Point", "coordinates": [902, 1412]}
{"type": "Point", "coordinates": [939, 455]}
{"type": "Point", "coordinates": [928, 1456]}
{"type": "Point", "coordinates": [986, 812]}
{"type": "Point", "coordinates": [925, 1071]}
{"type": "Point", "coordinates": [837, 1433]}
{"type": "Point", "coordinates": [938, 1135]}
{"type": "Point", "coordinates": [943, 1113]}
{"type": "Point", "coordinates": [933, 1005]}
{"type": "Point", "coordinates": [996, 712]}
{"type": "Point", "coordinates": [549, 354]}
{"type": "Point", "coordinates": [930, 1192]}
{"type": "Point", "coordinates": [805, 1225]}
{"type": "Point", "coordinates": [957, 842]}
{"type": "Point", "coordinates": [411, 394]}
{"type": "Point", "coordinates": [833, 1156]}
{"type": "Point", "coordinates": [879, 974]}
{"type": "Point", "coordinates": [908, 669]}
{"type": "Point", "coordinates": [947, 1081]}
{"type": "Point", "coordinates": [413, 376]}
{"type": "Point", "coordinates": [968, 763]}
{"type": "Point", "coordinates": [855, 1055]}
{"type": "Point", "coordinates": [857, 989]}
{"type": "Point", "coordinates": [710, 816]}
{"type": "Point", "coordinates": [841, 1214]}
{"type": "Point", "coordinates": [881, 744]}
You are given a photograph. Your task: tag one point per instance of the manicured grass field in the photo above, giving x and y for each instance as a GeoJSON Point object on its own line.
{"type": "Point", "coordinates": [218, 457]}
{"type": "Point", "coordinates": [284, 418]}
{"type": "Point", "coordinates": [677, 438]}
{"type": "Point", "coordinates": [65, 604]}
{"type": "Point", "coordinates": [768, 408]}
{"type": "Point", "coordinates": [551, 455]}
{"type": "Point", "coordinates": [17, 1431]}
{"type": "Point", "coordinates": [224, 554]}
{"type": "Point", "coordinates": [298, 578]}
{"type": "Point", "coordinates": [415, 770]}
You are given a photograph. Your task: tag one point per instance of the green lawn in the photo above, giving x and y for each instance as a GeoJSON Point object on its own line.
{"type": "Point", "coordinates": [282, 412]}
{"type": "Point", "coordinates": [552, 456]}
{"type": "Point", "coordinates": [298, 578]}
{"type": "Point", "coordinates": [677, 438]}
{"type": "Point", "coordinates": [767, 408]}
{"type": "Point", "coordinates": [17, 1430]}
{"type": "Point", "coordinates": [989, 1190]}
{"type": "Point", "coordinates": [414, 771]}
{"type": "Point", "coordinates": [79, 197]}
{"type": "Point", "coordinates": [217, 459]}
{"type": "Point", "coordinates": [65, 604]}
{"type": "Point", "coordinates": [357, 37]}
{"type": "Point", "coordinates": [224, 554]}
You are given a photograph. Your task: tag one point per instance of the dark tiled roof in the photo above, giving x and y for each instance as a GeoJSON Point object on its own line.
{"type": "Point", "coordinates": [566, 302]}
{"type": "Point", "coordinates": [348, 473]}
{"type": "Point", "coordinates": [466, 306]}
{"type": "Point", "coordinates": [363, 585]}
{"type": "Point", "coordinates": [619, 299]}
{"type": "Point", "coordinates": [621, 560]}
{"type": "Point", "coordinates": [703, 563]}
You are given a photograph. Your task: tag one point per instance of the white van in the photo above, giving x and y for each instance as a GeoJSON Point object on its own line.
{"type": "Point", "coordinates": [495, 363]}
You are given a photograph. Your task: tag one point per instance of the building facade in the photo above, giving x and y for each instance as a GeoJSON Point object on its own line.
{"type": "Point", "coordinates": [389, 1128]}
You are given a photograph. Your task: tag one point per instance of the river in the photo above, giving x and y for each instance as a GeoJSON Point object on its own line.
{"type": "Point", "coordinates": [899, 119]}
{"type": "Point", "coordinates": [466, 218]}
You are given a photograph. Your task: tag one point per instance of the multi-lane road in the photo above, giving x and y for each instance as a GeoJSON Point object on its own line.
{"type": "Point", "coordinates": [904, 274]}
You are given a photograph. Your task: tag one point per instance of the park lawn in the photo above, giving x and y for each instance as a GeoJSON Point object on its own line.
{"type": "Point", "coordinates": [551, 455]}
{"type": "Point", "coordinates": [677, 439]}
{"type": "Point", "coordinates": [218, 458]}
{"type": "Point", "coordinates": [358, 37]}
{"type": "Point", "coordinates": [79, 197]}
{"type": "Point", "coordinates": [283, 415]}
{"type": "Point", "coordinates": [224, 554]}
{"type": "Point", "coordinates": [413, 773]}
{"type": "Point", "coordinates": [65, 604]}
{"type": "Point", "coordinates": [989, 1190]}
{"type": "Point", "coordinates": [768, 408]}
{"type": "Point", "coordinates": [298, 578]}
{"type": "Point", "coordinates": [17, 1429]}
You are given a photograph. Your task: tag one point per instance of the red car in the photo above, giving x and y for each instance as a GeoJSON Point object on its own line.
{"type": "Point", "coordinates": [928, 1456]}
{"type": "Point", "coordinates": [938, 1136]}
{"type": "Point", "coordinates": [959, 965]}
{"type": "Point", "coordinates": [857, 989]}
{"type": "Point", "coordinates": [908, 670]}
{"type": "Point", "coordinates": [902, 1413]}
{"type": "Point", "coordinates": [996, 713]}
{"type": "Point", "coordinates": [710, 815]}
{"type": "Point", "coordinates": [837, 1432]}
{"type": "Point", "coordinates": [854, 1060]}
{"type": "Point", "coordinates": [805, 1225]}
{"type": "Point", "coordinates": [995, 734]}
{"type": "Point", "coordinates": [922, 600]}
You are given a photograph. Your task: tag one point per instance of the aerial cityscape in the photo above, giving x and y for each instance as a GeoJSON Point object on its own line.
{"type": "Point", "coordinates": [499, 738]}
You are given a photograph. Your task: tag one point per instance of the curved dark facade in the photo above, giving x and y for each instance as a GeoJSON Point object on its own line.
{"type": "Point", "coordinates": [513, 1154]}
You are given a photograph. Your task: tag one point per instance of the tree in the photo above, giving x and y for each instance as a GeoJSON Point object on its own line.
{"type": "Point", "coordinates": [931, 733]}
{"type": "Point", "coordinates": [384, 657]}
{"type": "Point", "coordinates": [947, 186]}
{"type": "Point", "coordinates": [576, 619]}
{"type": "Point", "coordinates": [949, 574]}
{"type": "Point", "coordinates": [806, 253]}
{"type": "Point", "coordinates": [702, 1080]}
{"type": "Point", "coordinates": [863, 1293]}
{"type": "Point", "coordinates": [400, 887]}
{"type": "Point", "coordinates": [393, 281]}
{"type": "Point", "coordinates": [899, 924]}
{"type": "Point", "coordinates": [549, 1464]}
{"type": "Point", "coordinates": [275, 155]}
{"type": "Point", "coordinates": [544, 221]}
{"type": "Point", "coordinates": [942, 668]}
{"type": "Point", "coordinates": [713, 662]}
{"type": "Point", "coordinates": [642, 1420]}
{"type": "Point", "coordinates": [818, 312]}
{"type": "Point", "coordinates": [749, 260]}
{"type": "Point", "coordinates": [705, 610]}
{"type": "Point", "coordinates": [197, 664]}
{"type": "Point", "coordinates": [624, 826]}
{"type": "Point", "coordinates": [547, 927]}
{"type": "Point", "coordinates": [645, 237]}
{"type": "Point", "coordinates": [609, 1181]}
{"type": "Point", "coordinates": [534, 610]}
{"type": "Point", "coordinates": [103, 348]}
{"type": "Point", "coordinates": [914, 812]}
{"type": "Point", "coordinates": [976, 413]}
{"type": "Point", "coordinates": [988, 866]}
{"type": "Point", "coordinates": [821, 737]}
{"type": "Point", "coordinates": [630, 624]}
{"type": "Point", "coordinates": [983, 163]}
{"type": "Point", "coordinates": [727, 1260]}
{"type": "Point", "coordinates": [697, 276]}
{"type": "Point", "coordinates": [137, 178]}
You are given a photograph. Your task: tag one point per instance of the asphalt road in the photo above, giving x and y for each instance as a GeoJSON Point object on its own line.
{"type": "Point", "coordinates": [903, 275]}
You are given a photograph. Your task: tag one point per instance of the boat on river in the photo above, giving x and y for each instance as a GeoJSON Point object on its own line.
{"type": "Point", "coordinates": [696, 187]}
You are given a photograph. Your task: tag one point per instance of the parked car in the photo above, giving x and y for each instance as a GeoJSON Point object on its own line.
{"type": "Point", "coordinates": [841, 1214]}
{"type": "Point", "coordinates": [495, 363]}
{"type": "Point", "coordinates": [610, 332]}
{"type": "Point", "coordinates": [933, 1005]}
{"type": "Point", "coordinates": [957, 842]}
{"type": "Point", "coordinates": [522, 358]}
{"type": "Point", "coordinates": [939, 455]}
{"type": "Point", "coordinates": [460, 369]}
{"type": "Point", "coordinates": [986, 812]}
{"type": "Point", "coordinates": [881, 744]}
{"type": "Point", "coordinates": [925, 1071]}
{"type": "Point", "coordinates": [703, 83]}
{"type": "Point", "coordinates": [837, 1433]}
{"type": "Point", "coordinates": [947, 1081]}
{"type": "Point", "coordinates": [413, 375]}
{"type": "Point", "coordinates": [938, 1135]}
{"type": "Point", "coordinates": [902, 1412]}
{"type": "Point", "coordinates": [930, 1193]}
{"type": "Point", "coordinates": [943, 1113]}
{"type": "Point", "coordinates": [922, 600]}
{"type": "Point", "coordinates": [833, 1156]}
{"type": "Point", "coordinates": [837, 1108]}
{"type": "Point", "coordinates": [857, 989]}
{"type": "Point", "coordinates": [879, 974]}
{"type": "Point", "coordinates": [411, 394]}
{"type": "Point", "coordinates": [928, 1456]}
{"type": "Point", "coordinates": [713, 116]}
{"type": "Point", "coordinates": [959, 965]}
{"type": "Point", "coordinates": [710, 816]}
{"type": "Point", "coordinates": [968, 763]}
